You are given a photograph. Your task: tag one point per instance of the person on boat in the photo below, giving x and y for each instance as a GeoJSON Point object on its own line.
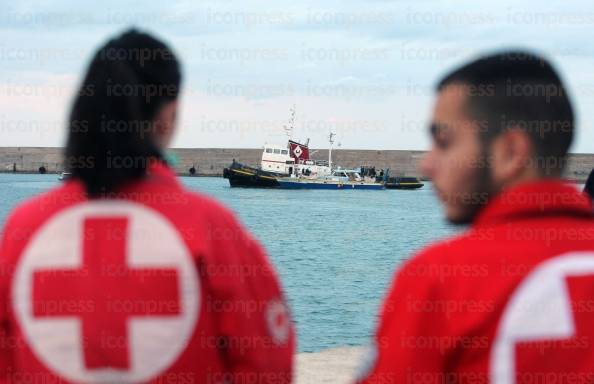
{"type": "Point", "coordinates": [121, 274]}
{"type": "Point", "coordinates": [502, 302]}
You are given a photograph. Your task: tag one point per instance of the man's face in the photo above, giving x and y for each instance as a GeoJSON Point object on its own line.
{"type": "Point", "coordinates": [456, 162]}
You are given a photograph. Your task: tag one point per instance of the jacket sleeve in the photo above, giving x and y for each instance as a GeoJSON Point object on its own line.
{"type": "Point", "coordinates": [253, 319]}
{"type": "Point", "coordinates": [411, 344]}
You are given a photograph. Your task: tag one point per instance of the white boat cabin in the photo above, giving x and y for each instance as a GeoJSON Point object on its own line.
{"type": "Point", "coordinates": [278, 159]}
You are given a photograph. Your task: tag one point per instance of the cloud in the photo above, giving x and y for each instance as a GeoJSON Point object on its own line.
{"type": "Point", "coordinates": [351, 63]}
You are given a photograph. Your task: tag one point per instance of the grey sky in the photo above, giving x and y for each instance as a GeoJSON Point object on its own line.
{"type": "Point", "coordinates": [363, 69]}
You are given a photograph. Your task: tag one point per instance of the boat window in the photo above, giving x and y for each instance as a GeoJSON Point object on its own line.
{"type": "Point", "coordinates": [284, 152]}
{"type": "Point", "coordinates": [268, 150]}
{"type": "Point", "coordinates": [277, 151]}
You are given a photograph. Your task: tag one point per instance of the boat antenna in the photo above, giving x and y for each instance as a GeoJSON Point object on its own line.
{"type": "Point", "coordinates": [290, 127]}
{"type": "Point", "coordinates": [331, 140]}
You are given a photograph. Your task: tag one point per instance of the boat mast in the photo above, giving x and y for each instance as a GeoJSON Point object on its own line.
{"type": "Point", "coordinates": [291, 126]}
{"type": "Point", "coordinates": [331, 140]}
{"type": "Point", "coordinates": [289, 132]}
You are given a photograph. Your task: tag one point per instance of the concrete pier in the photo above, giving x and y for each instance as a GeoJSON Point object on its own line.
{"type": "Point", "coordinates": [336, 365]}
{"type": "Point", "coordinates": [211, 161]}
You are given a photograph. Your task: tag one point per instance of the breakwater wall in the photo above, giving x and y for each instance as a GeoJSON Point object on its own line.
{"type": "Point", "coordinates": [211, 161]}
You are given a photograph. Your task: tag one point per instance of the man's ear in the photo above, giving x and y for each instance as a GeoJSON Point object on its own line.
{"type": "Point", "coordinates": [512, 155]}
{"type": "Point", "coordinates": [164, 124]}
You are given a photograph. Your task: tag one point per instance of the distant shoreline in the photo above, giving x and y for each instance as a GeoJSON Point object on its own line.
{"type": "Point", "coordinates": [4, 172]}
{"type": "Point", "coordinates": [57, 173]}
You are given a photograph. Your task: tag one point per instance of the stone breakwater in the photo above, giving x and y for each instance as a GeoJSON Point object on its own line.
{"type": "Point", "coordinates": [211, 161]}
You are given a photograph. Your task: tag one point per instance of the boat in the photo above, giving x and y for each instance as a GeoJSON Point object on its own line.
{"type": "Point", "coordinates": [403, 182]}
{"type": "Point", "coordinates": [241, 175]}
{"type": "Point", "coordinates": [290, 167]}
{"type": "Point", "coordinates": [339, 180]}
{"type": "Point", "coordinates": [278, 161]}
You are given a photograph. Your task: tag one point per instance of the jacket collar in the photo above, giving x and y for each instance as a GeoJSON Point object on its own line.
{"type": "Point", "coordinates": [158, 169]}
{"type": "Point", "coordinates": [541, 198]}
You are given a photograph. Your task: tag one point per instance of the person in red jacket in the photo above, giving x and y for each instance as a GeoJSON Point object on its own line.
{"type": "Point", "coordinates": [122, 275]}
{"type": "Point", "coordinates": [510, 300]}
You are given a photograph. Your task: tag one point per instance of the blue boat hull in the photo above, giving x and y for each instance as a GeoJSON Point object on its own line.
{"type": "Point", "coordinates": [287, 184]}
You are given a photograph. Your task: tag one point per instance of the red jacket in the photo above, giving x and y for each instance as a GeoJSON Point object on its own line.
{"type": "Point", "coordinates": [157, 284]}
{"type": "Point", "coordinates": [509, 301]}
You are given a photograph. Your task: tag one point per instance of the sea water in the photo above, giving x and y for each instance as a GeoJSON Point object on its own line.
{"type": "Point", "coordinates": [335, 251]}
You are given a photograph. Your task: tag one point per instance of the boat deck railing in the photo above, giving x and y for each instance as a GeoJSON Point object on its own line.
{"type": "Point", "coordinates": [319, 163]}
